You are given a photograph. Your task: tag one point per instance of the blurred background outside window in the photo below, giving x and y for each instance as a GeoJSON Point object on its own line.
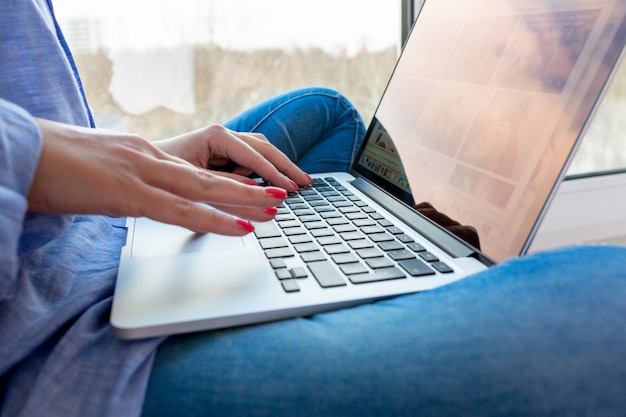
{"type": "Point", "coordinates": [160, 67]}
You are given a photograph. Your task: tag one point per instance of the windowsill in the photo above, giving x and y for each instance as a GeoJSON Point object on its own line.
{"type": "Point", "coordinates": [585, 210]}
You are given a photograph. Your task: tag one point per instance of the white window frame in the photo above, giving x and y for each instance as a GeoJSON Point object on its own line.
{"type": "Point", "coordinates": [586, 209]}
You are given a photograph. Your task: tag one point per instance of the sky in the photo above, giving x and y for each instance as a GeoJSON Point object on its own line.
{"type": "Point", "coordinates": [334, 25]}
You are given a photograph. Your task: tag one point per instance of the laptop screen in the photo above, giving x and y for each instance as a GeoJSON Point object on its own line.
{"type": "Point", "coordinates": [485, 107]}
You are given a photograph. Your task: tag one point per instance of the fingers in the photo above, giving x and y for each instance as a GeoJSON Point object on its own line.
{"type": "Point", "coordinates": [168, 207]}
{"type": "Point", "coordinates": [290, 171]}
{"type": "Point", "coordinates": [216, 147]}
{"type": "Point", "coordinates": [172, 209]}
{"type": "Point", "coordinates": [252, 152]}
{"type": "Point", "coordinates": [176, 188]}
{"type": "Point", "coordinates": [204, 186]}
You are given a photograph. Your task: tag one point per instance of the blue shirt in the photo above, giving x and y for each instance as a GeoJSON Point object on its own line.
{"type": "Point", "coordinates": [58, 354]}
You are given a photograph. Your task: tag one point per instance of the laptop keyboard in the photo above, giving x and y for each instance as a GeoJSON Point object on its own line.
{"type": "Point", "coordinates": [341, 240]}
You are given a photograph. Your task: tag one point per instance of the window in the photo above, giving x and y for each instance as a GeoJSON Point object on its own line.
{"type": "Point", "coordinates": [162, 67]}
{"type": "Point", "coordinates": [158, 67]}
{"type": "Point", "coordinates": [604, 145]}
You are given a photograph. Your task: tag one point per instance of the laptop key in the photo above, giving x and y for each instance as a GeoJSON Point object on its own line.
{"type": "Point", "coordinates": [381, 237]}
{"type": "Point", "coordinates": [303, 212]}
{"type": "Point", "coordinates": [356, 215]}
{"type": "Point", "coordinates": [288, 224]}
{"type": "Point", "coordinates": [369, 253]}
{"type": "Point", "coordinates": [266, 229]}
{"type": "Point", "coordinates": [315, 225]}
{"type": "Point", "coordinates": [312, 256]}
{"type": "Point", "coordinates": [353, 268]}
{"type": "Point", "coordinates": [273, 243]}
{"type": "Point", "coordinates": [428, 257]}
{"type": "Point", "coordinates": [336, 249]}
{"type": "Point", "coordinates": [416, 247]}
{"type": "Point", "coordinates": [326, 274]}
{"type": "Point", "coordinates": [343, 228]}
{"type": "Point", "coordinates": [278, 263]}
{"type": "Point", "coordinates": [298, 272]}
{"type": "Point", "coordinates": [416, 268]}
{"type": "Point", "coordinates": [405, 238]}
{"type": "Point", "coordinates": [317, 233]}
{"type": "Point", "coordinates": [442, 267]}
{"type": "Point", "coordinates": [279, 253]}
{"type": "Point", "coordinates": [330, 214]}
{"type": "Point", "coordinates": [320, 203]}
{"type": "Point", "coordinates": [364, 222]}
{"type": "Point", "coordinates": [399, 255]}
{"type": "Point", "coordinates": [297, 239]}
{"type": "Point", "coordinates": [344, 258]}
{"type": "Point", "coordinates": [337, 221]}
{"type": "Point", "coordinates": [293, 200]}
{"type": "Point", "coordinates": [328, 240]}
{"type": "Point", "coordinates": [293, 231]}
{"type": "Point", "coordinates": [385, 274]}
{"type": "Point", "coordinates": [352, 236]}
{"type": "Point", "coordinates": [305, 247]}
{"type": "Point", "coordinates": [310, 218]}
{"type": "Point", "coordinates": [290, 285]}
{"type": "Point", "coordinates": [360, 244]}
{"type": "Point", "coordinates": [377, 263]}
{"type": "Point", "coordinates": [283, 273]}
{"type": "Point", "coordinates": [389, 246]}
{"type": "Point", "coordinates": [370, 230]}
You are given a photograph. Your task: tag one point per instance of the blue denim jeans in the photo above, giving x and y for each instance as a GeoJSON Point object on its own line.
{"type": "Point", "coordinates": [316, 127]}
{"type": "Point", "coordinates": [542, 335]}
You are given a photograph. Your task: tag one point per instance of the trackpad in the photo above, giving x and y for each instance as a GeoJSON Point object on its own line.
{"type": "Point", "coordinates": [152, 238]}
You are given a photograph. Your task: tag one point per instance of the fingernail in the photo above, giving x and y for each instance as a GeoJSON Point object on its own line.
{"type": "Point", "coordinates": [251, 182]}
{"type": "Point", "coordinates": [247, 226]}
{"type": "Point", "coordinates": [271, 211]}
{"type": "Point", "coordinates": [293, 184]}
{"type": "Point", "coordinates": [309, 177]}
{"type": "Point", "coordinates": [276, 192]}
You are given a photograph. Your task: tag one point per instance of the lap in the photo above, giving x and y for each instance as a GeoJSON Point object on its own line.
{"type": "Point", "coordinates": [541, 335]}
{"type": "Point", "coordinates": [316, 127]}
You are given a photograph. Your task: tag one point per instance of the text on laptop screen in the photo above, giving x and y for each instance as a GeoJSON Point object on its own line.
{"type": "Point", "coordinates": [482, 114]}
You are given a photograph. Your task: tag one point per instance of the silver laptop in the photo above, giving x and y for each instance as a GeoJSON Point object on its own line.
{"type": "Point", "coordinates": [483, 112]}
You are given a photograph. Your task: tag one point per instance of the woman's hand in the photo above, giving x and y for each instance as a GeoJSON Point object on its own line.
{"type": "Point", "coordinates": [216, 147]}
{"type": "Point", "coordinates": [93, 171]}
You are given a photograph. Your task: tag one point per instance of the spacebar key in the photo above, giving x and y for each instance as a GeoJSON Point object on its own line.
{"type": "Point", "coordinates": [326, 274]}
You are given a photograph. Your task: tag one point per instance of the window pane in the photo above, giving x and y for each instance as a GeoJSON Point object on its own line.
{"type": "Point", "coordinates": [604, 146]}
{"type": "Point", "coordinates": [159, 68]}
{"type": "Point", "coordinates": [162, 67]}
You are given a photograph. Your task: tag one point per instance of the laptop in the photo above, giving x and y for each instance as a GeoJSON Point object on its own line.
{"type": "Point", "coordinates": [484, 110]}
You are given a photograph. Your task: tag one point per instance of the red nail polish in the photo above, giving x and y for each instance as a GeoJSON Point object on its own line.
{"type": "Point", "coordinates": [309, 177]}
{"type": "Point", "coordinates": [296, 186]}
{"type": "Point", "coordinates": [247, 226]}
{"type": "Point", "coordinates": [271, 211]}
{"type": "Point", "coordinates": [251, 182]}
{"type": "Point", "coordinates": [276, 192]}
